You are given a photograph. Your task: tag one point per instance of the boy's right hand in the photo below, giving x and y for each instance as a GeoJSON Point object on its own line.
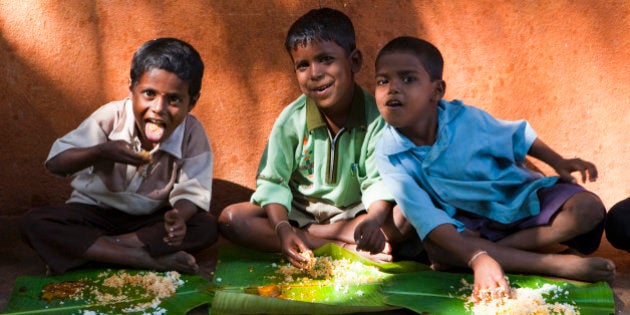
{"type": "Point", "coordinates": [121, 152]}
{"type": "Point", "coordinates": [292, 246]}
{"type": "Point", "coordinates": [490, 280]}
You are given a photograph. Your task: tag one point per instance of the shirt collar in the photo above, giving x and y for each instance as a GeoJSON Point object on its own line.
{"type": "Point", "coordinates": [314, 119]}
{"type": "Point", "coordinates": [397, 142]}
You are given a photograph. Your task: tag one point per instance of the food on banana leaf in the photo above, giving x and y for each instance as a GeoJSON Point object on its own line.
{"type": "Point", "coordinates": [522, 301]}
{"type": "Point", "coordinates": [148, 288]}
{"type": "Point", "coordinates": [62, 290]}
{"type": "Point", "coordinates": [324, 271]}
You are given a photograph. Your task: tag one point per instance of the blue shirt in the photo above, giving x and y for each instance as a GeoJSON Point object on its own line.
{"type": "Point", "coordinates": [474, 165]}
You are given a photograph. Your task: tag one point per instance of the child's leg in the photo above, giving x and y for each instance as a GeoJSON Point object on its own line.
{"type": "Point", "coordinates": [137, 241]}
{"type": "Point", "coordinates": [515, 260]}
{"type": "Point", "coordinates": [247, 224]}
{"type": "Point", "coordinates": [60, 234]}
{"type": "Point", "coordinates": [201, 232]}
{"type": "Point", "coordinates": [71, 235]}
{"type": "Point", "coordinates": [107, 249]}
{"type": "Point", "coordinates": [580, 214]}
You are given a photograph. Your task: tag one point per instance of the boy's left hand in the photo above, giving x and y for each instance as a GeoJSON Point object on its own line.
{"type": "Point", "coordinates": [568, 166]}
{"type": "Point", "coordinates": [175, 227]}
{"type": "Point", "coordinates": [369, 236]}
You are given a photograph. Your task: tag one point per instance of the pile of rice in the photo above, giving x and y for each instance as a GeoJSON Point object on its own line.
{"type": "Point", "coordinates": [110, 288]}
{"type": "Point", "coordinates": [525, 301]}
{"type": "Point", "coordinates": [330, 271]}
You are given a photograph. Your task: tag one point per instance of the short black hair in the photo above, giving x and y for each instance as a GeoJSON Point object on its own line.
{"type": "Point", "coordinates": [323, 24]}
{"type": "Point", "coordinates": [427, 53]}
{"type": "Point", "coordinates": [170, 54]}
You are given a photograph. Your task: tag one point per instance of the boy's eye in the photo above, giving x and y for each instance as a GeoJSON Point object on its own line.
{"type": "Point", "coordinates": [175, 100]}
{"type": "Point", "coordinates": [381, 81]}
{"type": "Point", "coordinates": [326, 59]}
{"type": "Point", "coordinates": [408, 79]}
{"type": "Point", "coordinates": [301, 66]}
{"type": "Point", "coordinates": [148, 93]}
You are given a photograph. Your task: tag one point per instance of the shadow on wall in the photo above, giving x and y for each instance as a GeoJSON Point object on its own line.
{"type": "Point", "coordinates": [225, 193]}
{"type": "Point", "coordinates": [38, 109]}
{"type": "Point", "coordinates": [30, 104]}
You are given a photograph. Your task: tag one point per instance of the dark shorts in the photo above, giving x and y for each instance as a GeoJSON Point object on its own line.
{"type": "Point", "coordinates": [61, 234]}
{"type": "Point", "coordinates": [551, 201]}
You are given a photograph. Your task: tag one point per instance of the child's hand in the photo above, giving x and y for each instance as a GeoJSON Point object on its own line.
{"type": "Point", "coordinates": [369, 237]}
{"type": "Point", "coordinates": [293, 248]}
{"type": "Point", "coordinates": [490, 281]}
{"type": "Point", "coordinates": [175, 227]}
{"type": "Point", "coordinates": [568, 166]}
{"type": "Point", "coordinates": [121, 152]}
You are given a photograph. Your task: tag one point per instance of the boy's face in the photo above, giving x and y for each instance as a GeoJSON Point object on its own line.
{"type": "Point", "coordinates": [324, 72]}
{"type": "Point", "coordinates": [404, 93]}
{"type": "Point", "coordinates": [160, 103]}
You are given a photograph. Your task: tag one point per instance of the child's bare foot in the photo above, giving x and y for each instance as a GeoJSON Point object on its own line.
{"type": "Point", "coordinates": [180, 261]}
{"type": "Point", "coordinates": [382, 257]}
{"type": "Point", "coordinates": [590, 269]}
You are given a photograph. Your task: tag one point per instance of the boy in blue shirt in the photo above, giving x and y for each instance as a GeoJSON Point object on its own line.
{"type": "Point", "coordinates": [457, 174]}
{"type": "Point", "coordinates": [142, 171]}
{"type": "Point", "coordinates": [317, 181]}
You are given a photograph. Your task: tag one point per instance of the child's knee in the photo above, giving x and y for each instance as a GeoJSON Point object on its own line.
{"type": "Point", "coordinates": [588, 210]}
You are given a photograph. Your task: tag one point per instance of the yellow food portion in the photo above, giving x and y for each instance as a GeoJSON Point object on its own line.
{"type": "Point", "coordinates": [146, 155]}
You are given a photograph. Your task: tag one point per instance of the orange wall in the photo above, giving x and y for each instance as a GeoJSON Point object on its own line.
{"type": "Point", "coordinates": [562, 65]}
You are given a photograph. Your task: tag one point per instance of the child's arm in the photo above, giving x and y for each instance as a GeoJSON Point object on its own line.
{"type": "Point", "coordinates": [564, 167]}
{"type": "Point", "coordinates": [368, 234]}
{"type": "Point", "coordinates": [76, 159]}
{"type": "Point", "coordinates": [175, 221]}
{"type": "Point", "coordinates": [290, 242]}
{"type": "Point", "coordinates": [488, 273]}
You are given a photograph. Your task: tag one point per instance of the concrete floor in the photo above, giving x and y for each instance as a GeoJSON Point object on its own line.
{"type": "Point", "coordinates": [17, 259]}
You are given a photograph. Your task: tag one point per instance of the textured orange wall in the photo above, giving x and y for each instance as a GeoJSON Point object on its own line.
{"type": "Point", "coordinates": [562, 65]}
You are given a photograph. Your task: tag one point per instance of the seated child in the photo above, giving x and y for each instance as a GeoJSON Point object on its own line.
{"type": "Point", "coordinates": [317, 181]}
{"type": "Point", "coordinates": [142, 172]}
{"type": "Point", "coordinates": [456, 173]}
{"type": "Point", "coordinates": [618, 225]}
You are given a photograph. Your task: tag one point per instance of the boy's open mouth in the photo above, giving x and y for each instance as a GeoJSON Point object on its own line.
{"type": "Point", "coordinates": [154, 129]}
{"type": "Point", "coordinates": [322, 88]}
{"type": "Point", "coordinates": [393, 103]}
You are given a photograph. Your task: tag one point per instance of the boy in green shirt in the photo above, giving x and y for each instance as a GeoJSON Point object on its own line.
{"type": "Point", "coordinates": [317, 181]}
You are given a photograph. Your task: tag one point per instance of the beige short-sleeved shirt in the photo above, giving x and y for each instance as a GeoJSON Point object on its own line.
{"type": "Point", "coordinates": [181, 168]}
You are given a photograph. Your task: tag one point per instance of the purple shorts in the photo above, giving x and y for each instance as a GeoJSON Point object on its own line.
{"type": "Point", "coordinates": [551, 200]}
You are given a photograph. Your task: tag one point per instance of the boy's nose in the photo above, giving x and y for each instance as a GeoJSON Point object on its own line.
{"type": "Point", "coordinates": [393, 88]}
{"type": "Point", "coordinates": [159, 104]}
{"type": "Point", "coordinates": [316, 72]}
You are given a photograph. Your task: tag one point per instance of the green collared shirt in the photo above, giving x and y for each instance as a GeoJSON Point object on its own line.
{"type": "Point", "coordinates": [302, 158]}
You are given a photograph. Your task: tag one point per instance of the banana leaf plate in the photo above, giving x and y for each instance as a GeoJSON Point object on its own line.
{"type": "Point", "coordinates": [29, 295]}
{"type": "Point", "coordinates": [243, 276]}
{"type": "Point", "coordinates": [430, 292]}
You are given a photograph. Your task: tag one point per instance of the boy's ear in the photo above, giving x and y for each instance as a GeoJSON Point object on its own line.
{"type": "Point", "coordinates": [356, 60]}
{"type": "Point", "coordinates": [439, 89]}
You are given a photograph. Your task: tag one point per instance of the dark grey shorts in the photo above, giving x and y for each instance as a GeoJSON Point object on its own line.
{"type": "Point", "coordinates": [551, 201]}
